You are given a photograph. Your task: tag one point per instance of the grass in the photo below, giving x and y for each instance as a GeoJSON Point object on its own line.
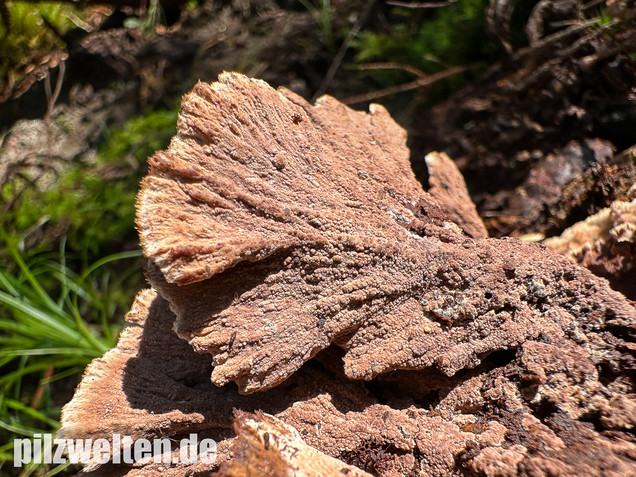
{"type": "Point", "coordinates": [53, 322]}
{"type": "Point", "coordinates": [150, 20]}
{"type": "Point", "coordinates": [61, 303]}
{"type": "Point", "coordinates": [321, 10]}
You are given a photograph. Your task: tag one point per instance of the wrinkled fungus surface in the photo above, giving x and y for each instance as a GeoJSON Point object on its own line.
{"type": "Point", "coordinates": [299, 269]}
{"type": "Point", "coordinates": [276, 228]}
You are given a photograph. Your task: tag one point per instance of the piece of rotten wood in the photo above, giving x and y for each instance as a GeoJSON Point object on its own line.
{"type": "Point", "coordinates": [266, 446]}
{"type": "Point", "coordinates": [605, 243]}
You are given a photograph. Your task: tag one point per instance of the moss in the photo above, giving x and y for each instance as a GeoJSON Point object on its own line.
{"type": "Point", "coordinates": [140, 137]}
{"type": "Point", "coordinates": [430, 41]}
{"type": "Point", "coordinates": [456, 35]}
{"type": "Point", "coordinates": [91, 205]}
{"type": "Point", "coordinates": [28, 37]}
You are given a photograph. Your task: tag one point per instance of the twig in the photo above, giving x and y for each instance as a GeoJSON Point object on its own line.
{"type": "Point", "coordinates": [6, 18]}
{"type": "Point", "coordinates": [550, 40]}
{"type": "Point", "coordinates": [585, 40]}
{"type": "Point", "coordinates": [592, 4]}
{"type": "Point", "coordinates": [29, 183]}
{"type": "Point", "coordinates": [535, 75]}
{"type": "Point", "coordinates": [589, 61]}
{"type": "Point", "coordinates": [31, 231]}
{"type": "Point", "coordinates": [335, 64]}
{"type": "Point", "coordinates": [418, 83]}
{"type": "Point", "coordinates": [544, 44]}
{"type": "Point", "coordinates": [52, 27]}
{"type": "Point", "coordinates": [51, 98]}
{"type": "Point", "coordinates": [551, 66]}
{"type": "Point", "coordinates": [498, 16]}
{"type": "Point", "coordinates": [421, 4]}
{"type": "Point", "coordinates": [393, 66]}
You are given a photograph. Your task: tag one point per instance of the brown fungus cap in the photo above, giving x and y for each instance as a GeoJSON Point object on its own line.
{"type": "Point", "coordinates": [276, 228]}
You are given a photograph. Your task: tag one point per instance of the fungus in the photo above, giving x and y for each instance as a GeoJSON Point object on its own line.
{"type": "Point", "coordinates": [266, 446]}
{"type": "Point", "coordinates": [447, 186]}
{"type": "Point", "coordinates": [264, 267]}
{"type": "Point", "coordinates": [294, 255]}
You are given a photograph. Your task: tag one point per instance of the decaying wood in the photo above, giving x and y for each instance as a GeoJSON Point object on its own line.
{"type": "Point", "coordinates": [566, 183]}
{"type": "Point", "coordinates": [295, 254]}
{"type": "Point", "coordinates": [605, 243]}
{"type": "Point", "coordinates": [540, 104]}
{"type": "Point", "coordinates": [266, 446]}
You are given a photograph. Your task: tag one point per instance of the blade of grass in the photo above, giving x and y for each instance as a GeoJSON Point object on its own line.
{"type": "Point", "coordinates": [19, 429]}
{"type": "Point", "coordinates": [21, 365]}
{"type": "Point", "coordinates": [108, 259]}
{"type": "Point", "coordinates": [39, 333]}
{"type": "Point", "coordinates": [63, 374]}
{"type": "Point", "coordinates": [35, 367]}
{"type": "Point", "coordinates": [48, 351]}
{"type": "Point", "coordinates": [38, 315]}
{"type": "Point", "coordinates": [5, 282]}
{"type": "Point", "coordinates": [37, 287]}
{"type": "Point", "coordinates": [97, 344]}
{"type": "Point", "coordinates": [18, 406]}
{"type": "Point", "coordinates": [57, 469]}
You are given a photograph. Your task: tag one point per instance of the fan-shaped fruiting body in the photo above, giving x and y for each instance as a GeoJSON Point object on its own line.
{"type": "Point", "coordinates": [276, 228]}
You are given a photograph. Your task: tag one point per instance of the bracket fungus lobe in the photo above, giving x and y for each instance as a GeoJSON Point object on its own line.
{"type": "Point", "coordinates": [293, 255]}
{"type": "Point", "coordinates": [274, 237]}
